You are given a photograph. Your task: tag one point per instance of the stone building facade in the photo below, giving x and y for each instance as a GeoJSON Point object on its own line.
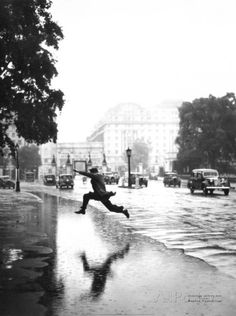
{"type": "Point", "coordinates": [127, 123]}
{"type": "Point", "coordinates": [119, 129]}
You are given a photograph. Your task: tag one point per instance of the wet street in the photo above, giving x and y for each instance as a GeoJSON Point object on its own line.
{"type": "Point", "coordinates": [57, 263]}
{"type": "Point", "coordinates": [203, 226]}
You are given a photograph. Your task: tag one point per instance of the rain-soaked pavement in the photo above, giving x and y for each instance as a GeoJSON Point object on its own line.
{"type": "Point", "coordinates": [203, 226]}
{"type": "Point", "coordinates": [104, 264]}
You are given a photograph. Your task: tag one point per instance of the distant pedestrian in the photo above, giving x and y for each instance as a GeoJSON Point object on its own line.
{"type": "Point", "coordinates": [99, 194]}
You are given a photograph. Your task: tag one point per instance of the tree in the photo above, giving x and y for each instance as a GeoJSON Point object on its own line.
{"type": "Point", "coordinates": [29, 158]}
{"type": "Point", "coordinates": [140, 154]}
{"type": "Point", "coordinates": [27, 38]}
{"type": "Point", "coordinates": [207, 134]}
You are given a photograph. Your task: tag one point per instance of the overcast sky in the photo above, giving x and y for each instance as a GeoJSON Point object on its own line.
{"type": "Point", "coordinates": [140, 51]}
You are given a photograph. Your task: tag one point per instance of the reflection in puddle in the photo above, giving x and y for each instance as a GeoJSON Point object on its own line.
{"type": "Point", "coordinates": [98, 267]}
{"type": "Point", "coordinates": [100, 273]}
{"type": "Point", "coordinates": [11, 255]}
{"type": "Point", "coordinates": [83, 259]}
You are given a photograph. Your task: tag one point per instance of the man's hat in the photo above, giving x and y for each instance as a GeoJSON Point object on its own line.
{"type": "Point", "coordinates": [94, 170]}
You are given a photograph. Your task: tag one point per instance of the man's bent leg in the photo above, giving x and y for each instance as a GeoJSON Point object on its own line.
{"type": "Point", "coordinates": [86, 198]}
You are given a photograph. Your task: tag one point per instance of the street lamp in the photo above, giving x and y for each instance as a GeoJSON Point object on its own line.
{"type": "Point", "coordinates": [17, 169]}
{"type": "Point", "coordinates": [128, 153]}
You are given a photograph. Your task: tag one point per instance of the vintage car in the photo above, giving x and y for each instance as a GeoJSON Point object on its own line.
{"type": "Point", "coordinates": [49, 179]}
{"type": "Point", "coordinates": [142, 179]}
{"type": "Point", "coordinates": [111, 177]}
{"type": "Point", "coordinates": [171, 179]}
{"type": "Point", "coordinates": [136, 179]}
{"type": "Point", "coordinates": [207, 180]}
{"type": "Point", "coordinates": [6, 183]}
{"type": "Point", "coordinates": [65, 181]}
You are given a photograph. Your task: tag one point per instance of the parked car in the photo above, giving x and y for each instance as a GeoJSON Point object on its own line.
{"type": "Point", "coordinates": [207, 180]}
{"type": "Point", "coordinates": [49, 179]}
{"type": "Point", "coordinates": [111, 177]}
{"type": "Point", "coordinates": [65, 181]}
{"type": "Point", "coordinates": [6, 183]}
{"type": "Point", "coordinates": [136, 178]}
{"type": "Point", "coordinates": [171, 179]}
{"type": "Point", "coordinates": [142, 179]}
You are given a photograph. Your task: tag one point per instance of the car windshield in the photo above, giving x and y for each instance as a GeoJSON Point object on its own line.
{"type": "Point", "coordinates": [210, 174]}
{"type": "Point", "coordinates": [65, 177]}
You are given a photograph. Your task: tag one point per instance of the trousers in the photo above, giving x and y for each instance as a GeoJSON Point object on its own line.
{"type": "Point", "coordinates": [105, 201]}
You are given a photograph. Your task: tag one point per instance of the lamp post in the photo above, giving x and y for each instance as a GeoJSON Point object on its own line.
{"type": "Point", "coordinates": [17, 169]}
{"type": "Point", "coordinates": [128, 153]}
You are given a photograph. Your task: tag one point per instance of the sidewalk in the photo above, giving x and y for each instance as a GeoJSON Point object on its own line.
{"type": "Point", "coordinates": [54, 262]}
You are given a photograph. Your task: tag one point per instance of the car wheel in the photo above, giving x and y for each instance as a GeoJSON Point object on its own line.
{"type": "Point", "coordinates": [205, 191]}
{"type": "Point", "coordinates": [191, 190]}
{"type": "Point", "coordinates": [72, 187]}
{"type": "Point", "coordinates": [226, 192]}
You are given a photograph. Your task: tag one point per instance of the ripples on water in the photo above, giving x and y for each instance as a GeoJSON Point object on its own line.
{"type": "Point", "coordinates": [203, 226]}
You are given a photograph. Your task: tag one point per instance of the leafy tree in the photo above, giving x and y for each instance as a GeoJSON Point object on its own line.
{"type": "Point", "coordinates": [207, 134]}
{"type": "Point", "coordinates": [29, 158]}
{"type": "Point", "coordinates": [140, 154]}
{"type": "Point", "coordinates": [28, 37]}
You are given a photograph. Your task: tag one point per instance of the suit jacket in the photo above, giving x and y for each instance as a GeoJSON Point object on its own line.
{"type": "Point", "coordinates": [97, 182]}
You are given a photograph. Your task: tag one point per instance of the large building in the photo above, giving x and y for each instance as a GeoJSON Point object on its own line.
{"type": "Point", "coordinates": [126, 123]}
{"type": "Point", "coordinates": [119, 129]}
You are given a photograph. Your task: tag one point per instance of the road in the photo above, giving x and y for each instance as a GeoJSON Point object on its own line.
{"type": "Point", "coordinates": [201, 226]}
{"type": "Point", "coordinates": [55, 262]}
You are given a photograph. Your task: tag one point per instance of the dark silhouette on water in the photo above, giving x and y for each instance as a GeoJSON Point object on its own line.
{"type": "Point", "coordinates": [100, 273]}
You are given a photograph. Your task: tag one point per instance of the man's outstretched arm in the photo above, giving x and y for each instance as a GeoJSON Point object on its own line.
{"type": "Point", "coordinates": [83, 173]}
